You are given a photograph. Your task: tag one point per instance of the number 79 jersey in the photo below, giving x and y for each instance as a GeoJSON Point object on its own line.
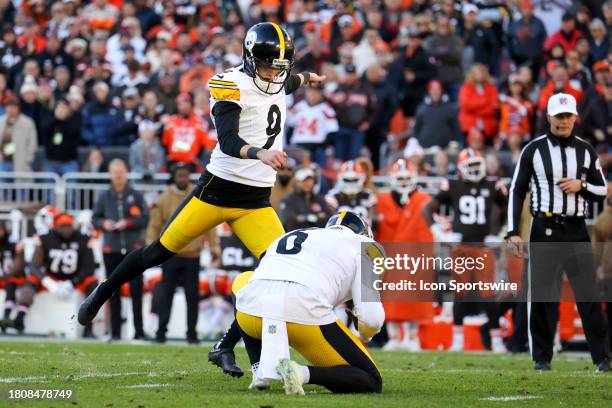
{"type": "Point", "coordinates": [262, 120]}
{"type": "Point", "coordinates": [63, 259]}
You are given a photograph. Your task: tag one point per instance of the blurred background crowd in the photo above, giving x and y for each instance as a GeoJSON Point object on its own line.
{"type": "Point", "coordinates": [405, 77]}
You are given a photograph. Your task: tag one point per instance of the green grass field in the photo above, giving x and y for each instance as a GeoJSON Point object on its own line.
{"type": "Point", "coordinates": [104, 375]}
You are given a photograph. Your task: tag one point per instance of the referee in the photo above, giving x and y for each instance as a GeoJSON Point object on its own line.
{"type": "Point", "coordinates": [565, 174]}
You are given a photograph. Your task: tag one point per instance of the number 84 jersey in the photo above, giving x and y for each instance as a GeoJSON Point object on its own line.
{"type": "Point", "coordinates": [262, 120]}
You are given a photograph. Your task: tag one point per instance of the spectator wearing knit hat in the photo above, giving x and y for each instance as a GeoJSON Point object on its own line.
{"type": "Point", "coordinates": [436, 121]}
{"type": "Point", "coordinates": [567, 36]}
{"type": "Point", "coordinates": [481, 45]}
{"type": "Point", "coordinates": [526, 37]}
{"type": "Point", "coordinates": [30, 103]}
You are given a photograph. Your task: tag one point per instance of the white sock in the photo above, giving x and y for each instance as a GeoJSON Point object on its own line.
{"type": "Point", "coordinates": [305, 374]}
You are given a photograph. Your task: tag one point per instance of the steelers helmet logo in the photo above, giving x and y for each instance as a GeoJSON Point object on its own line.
{"type": "Point", "coordinates": [250, 40]}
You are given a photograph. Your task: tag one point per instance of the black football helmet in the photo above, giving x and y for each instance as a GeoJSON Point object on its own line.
{"type": "Point", "coordinates": [351, 221]}
{"type": "Point", "coordinates": [268, 45]}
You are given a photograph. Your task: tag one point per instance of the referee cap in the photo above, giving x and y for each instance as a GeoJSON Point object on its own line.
{"type": "Point", "coordinates": [561, 103]}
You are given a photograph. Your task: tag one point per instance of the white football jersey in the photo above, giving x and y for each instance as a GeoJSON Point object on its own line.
{"type": "Point", "coordinates": [262, 121]}
{"type": "Point", "coordinates": [327, 262]}
{"type": "Point", "coordinates": [312, 124]}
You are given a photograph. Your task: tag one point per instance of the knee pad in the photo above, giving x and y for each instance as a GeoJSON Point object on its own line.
{"type": "Point", "coordinates": [25, 295]}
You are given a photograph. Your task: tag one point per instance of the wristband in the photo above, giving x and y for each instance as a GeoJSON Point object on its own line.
{"type": "Point", "coordinates": [306, 77]}
{"type": "Point", "coordinates": [252, 152]}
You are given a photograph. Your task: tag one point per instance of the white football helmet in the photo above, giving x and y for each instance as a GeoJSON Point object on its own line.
{"type": "Point", "coordinates": [471, 164]}
{"type": "Point", "coordinates": [403, 177]}
{"type": "Point", "coordinates": [351, 177]}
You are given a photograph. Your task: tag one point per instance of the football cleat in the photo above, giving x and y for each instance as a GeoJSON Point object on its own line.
{"type": "Point", "coordinates": [225, 359]}
{"type": "Point", "coordinates": [260, 384]}
{"type": "Point", "coordinates": [542, 366]}
{"type": "Point", "coordinates": [604, 366]}
{"type": "Point", "coordinates": [90, 307]}
{"type": "Point", "coordinates": [291, 373]}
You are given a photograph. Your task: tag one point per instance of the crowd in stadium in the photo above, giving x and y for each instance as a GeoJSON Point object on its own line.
{"type": "Point", "coordinates": [445, 73]}
{"type": "Point", "coordinates": [417, 79]}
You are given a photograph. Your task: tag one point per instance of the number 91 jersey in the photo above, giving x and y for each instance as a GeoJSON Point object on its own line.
{"type": "Point", "coordinates": [262, 120]}
{"type": "Point", "coordinates": [472, 205]}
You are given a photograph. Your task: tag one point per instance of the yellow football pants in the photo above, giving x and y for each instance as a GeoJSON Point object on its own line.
{"type": "Point", "coordinates": [323, 346]}
{"type": "Point", "coordinates": [256, 228]}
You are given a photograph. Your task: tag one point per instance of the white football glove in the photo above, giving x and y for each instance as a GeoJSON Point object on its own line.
{"type": "Point", "coordinates": [52, 286]}
{"type": "Point", "coordinates": [438, 232]}
{"type": "Point", "coordinates": [441, 234]}
{"type": "Point", "coordinates": [66, 289]}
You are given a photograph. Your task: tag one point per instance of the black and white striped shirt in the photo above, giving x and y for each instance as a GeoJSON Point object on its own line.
{"type": "Point", "coordinates": [545, 161]}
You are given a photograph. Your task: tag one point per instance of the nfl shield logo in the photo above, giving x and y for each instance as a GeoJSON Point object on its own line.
{"type": "Point", "coordinates": [272, 329]}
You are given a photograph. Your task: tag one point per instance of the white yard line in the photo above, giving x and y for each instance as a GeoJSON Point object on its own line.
{"type": "Point", "coordinates": [23, 379]}
{"type": "Point", "coordinates": [144, 386]}
{"type": "Point", "coordinates": [78, 377]}
{"type": "Point", "coordinates": [513, 398]}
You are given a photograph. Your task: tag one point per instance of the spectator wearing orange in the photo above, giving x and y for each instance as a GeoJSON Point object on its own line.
{"type": "Point", "coordinates": [198, 75]}
{"type": "Point", "coordinates": [567, 36]}
{"type": "Point", "coordinates": [516, 111]}
{"type": "Point", "coordinates": [185, 134]}
{"type": "Point", "coordinates": [478, 103]}
{"type": "Point", "coordinates": [340, 25]}
{"type": "Point", "coordinates": [31, 40]}
{"type": "Point", "coordinates": [559, 82]}
{"type": "Point", "coordinates": [101, 15]}
{"type": "Point", "coordinates": [345, 34]}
